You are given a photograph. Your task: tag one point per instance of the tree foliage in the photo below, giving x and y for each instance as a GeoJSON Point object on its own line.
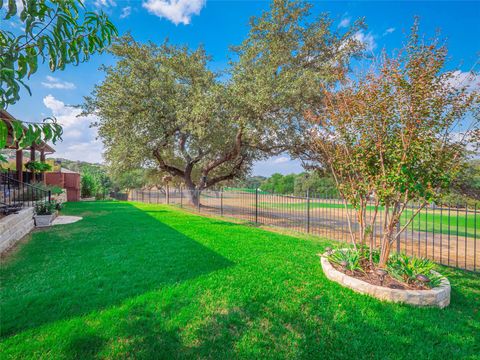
{"type": "Point", "coordinates": [279, 184]}
{"type": "Point", "coordinates": [388, 135]}
{"type": "Point", "coordinates": [59, 32]}
{"type": "Point", "coordinates": [94, 181]}
{"type": "Point", "coordinates": [315, 183]}
{"type": "Point", "coordinates": [37, 166]}
{"type": "Point", "coordinates": [465, 188]}
{"type": "Point", "coordinates": [161, 107]}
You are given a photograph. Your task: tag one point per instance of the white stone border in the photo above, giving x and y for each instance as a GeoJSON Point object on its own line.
{"type": "Point", "coordinates": [436, 297]}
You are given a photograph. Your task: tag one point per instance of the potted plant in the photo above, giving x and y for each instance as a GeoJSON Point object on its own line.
{"type": "Point", "coordinates": [45, 213]}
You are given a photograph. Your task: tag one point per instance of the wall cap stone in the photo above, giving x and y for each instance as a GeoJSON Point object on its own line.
{"type": "Point", "coordinates": [436, 297]}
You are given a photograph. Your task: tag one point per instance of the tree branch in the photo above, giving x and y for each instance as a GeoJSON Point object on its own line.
{"type": "Point", "coordinates": [172, 170]}
{"type": "Point", "coordinates": [229, 176]}
{"type": "Point", "coordinates": [226, 157]}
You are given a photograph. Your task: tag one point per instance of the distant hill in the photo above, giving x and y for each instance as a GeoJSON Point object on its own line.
{"type": "Point", "coordinates": [76, 165]}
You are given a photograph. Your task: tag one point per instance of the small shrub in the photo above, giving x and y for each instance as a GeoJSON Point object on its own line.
{"type": "Point", "coordinates": [375, 254]}
{"type": "Point", "coordinates": [406, 268]}
{"type": "Point", "coordinates": [351, 257]}
{"type": "Point", "coordinates": [58, 205]}
{"type": "Point", "coordinates": [55, 190]}
{"type": "Point", "coordinates": [45, 208]}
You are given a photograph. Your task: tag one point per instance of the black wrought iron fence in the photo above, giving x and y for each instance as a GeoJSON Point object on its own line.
{"type": "Point", "coordinates": [445, 234]}
{"type": "Point", "coordinates": [15, 194]}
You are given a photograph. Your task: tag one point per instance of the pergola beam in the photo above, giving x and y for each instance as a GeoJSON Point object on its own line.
{"type": "Point", "coordinates": [19, 164]}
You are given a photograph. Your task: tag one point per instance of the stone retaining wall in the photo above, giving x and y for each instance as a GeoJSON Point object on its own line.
{"type": "Point", "coordinates": [436, 297]}
{"type": "Point", "coordinates": [14, 227]}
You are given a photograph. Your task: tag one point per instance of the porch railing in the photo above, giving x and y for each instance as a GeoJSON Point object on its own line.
{"type": "Point", "coordinates": [27, 176]}
{"type": "Point", "coordinates": [15, 194]}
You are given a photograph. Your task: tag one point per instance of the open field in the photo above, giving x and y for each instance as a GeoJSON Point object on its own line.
{"type": "Point", "coordinates": [149, 281]}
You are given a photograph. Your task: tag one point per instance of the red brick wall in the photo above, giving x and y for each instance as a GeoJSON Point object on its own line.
{"type": "Point", "coordinates": [67, 181]}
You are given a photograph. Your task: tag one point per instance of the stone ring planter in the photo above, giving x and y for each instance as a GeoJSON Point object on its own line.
{"type": "Point", "coordinates": [436, 297]}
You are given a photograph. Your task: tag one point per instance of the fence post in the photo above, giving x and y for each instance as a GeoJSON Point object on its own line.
{"type": "Point", "coordinates": [181, 197]}
{"type": "Point", "coordinates": [221, 202]}
{"type": "Point", "coordinates": [256, 205]}
{"type": "Point", "coordinates": [198, 198]}
{"type": "Point", "coordinates": [474, 238]}
{"type": "Point", "coordinates": [398, 236]}
{"type": "Point", "coordinates": [308, 211]}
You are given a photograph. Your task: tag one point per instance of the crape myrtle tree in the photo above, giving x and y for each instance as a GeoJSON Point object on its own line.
{"type": "Point", "coordinates": [397, 133]}
{"type": "Point", "coordinates": [59, 32]}
{"type": "Point", "coordinates": [161, 107]}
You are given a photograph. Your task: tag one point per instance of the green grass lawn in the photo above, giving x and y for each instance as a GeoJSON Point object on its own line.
{"type": "Point", "coordinates": [150, 282]}
{"type": "Point", "coordinates": [432, 221]}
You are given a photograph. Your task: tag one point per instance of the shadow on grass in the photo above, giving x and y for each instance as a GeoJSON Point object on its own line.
{"type": "Point", "coordinates": [102, 261]}
{"type": "Point", "coordinates": [322, 327]}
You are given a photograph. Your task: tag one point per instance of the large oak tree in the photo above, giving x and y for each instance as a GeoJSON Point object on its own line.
{"type": "Point", "coordinates": [161, 106]}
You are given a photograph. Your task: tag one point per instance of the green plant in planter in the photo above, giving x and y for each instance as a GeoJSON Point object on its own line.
{"type": "Point", "coordinates": [407, 269]}
{"type": "Point", "coordinates": [45, 208]}
{"type": "Point", "coordinates": [350, 259]}
{"type": "Point", "coordinates": [365, 253]}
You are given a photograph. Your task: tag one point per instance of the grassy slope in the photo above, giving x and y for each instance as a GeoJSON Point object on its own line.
{"type": "Point", "coordinates": [149, 281]}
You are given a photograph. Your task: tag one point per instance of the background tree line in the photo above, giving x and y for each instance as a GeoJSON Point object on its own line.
{"type": "Point", "coordinates": [297, 184]}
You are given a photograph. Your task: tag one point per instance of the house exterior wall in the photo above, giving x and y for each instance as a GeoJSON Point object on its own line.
{"type": "Point", "coordinates": [68, 181]}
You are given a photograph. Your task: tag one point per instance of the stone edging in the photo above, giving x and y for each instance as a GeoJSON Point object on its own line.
{"type": "Point", "coordinates": [436, 297]}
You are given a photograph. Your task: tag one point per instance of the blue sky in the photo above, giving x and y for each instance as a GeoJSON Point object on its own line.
{"type": "Point", "coordinates": [218, 24]}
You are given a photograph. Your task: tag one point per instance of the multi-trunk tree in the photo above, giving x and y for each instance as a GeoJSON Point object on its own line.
{"type": "Point", "coordinates": [161, 106]}
{"type": "Point", "coordinates": [395, 134]}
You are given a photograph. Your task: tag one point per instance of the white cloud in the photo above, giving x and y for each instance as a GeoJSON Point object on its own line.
{"type": "Point", "coordinates": [79, 139]}
{"type": "Point", "coordinates": [56, 83]}
{"type": "Point", "coordinates": [126, 11]}
{"type": "Point", "coordinates": [345, 22]}
{"type": "Point", "coordinates": [281, 160]}
{"type": "Point", "coordinates": [104, 3]}
{"type": "Point", "coordinates": [177, 11]}
{"type": "Point", "coordinates": [53, 104]}
{"type": "Point", "coordinates": [367, 39]}
{"type": "Point", "coordinates": [469, 80]}
{"type": "Point", "coordinates": [19, 4]}
{"type": "Point", "coordinates": [389, 31]}
{"type": "Point", "coordinates": [90, 151]}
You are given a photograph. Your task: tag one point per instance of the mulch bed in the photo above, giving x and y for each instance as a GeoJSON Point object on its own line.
{"type": "Point", "coordinates": [370, 277]}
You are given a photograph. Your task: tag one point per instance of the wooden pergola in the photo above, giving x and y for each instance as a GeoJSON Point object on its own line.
{"type": "Point", "coordinates": [43, 148]}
